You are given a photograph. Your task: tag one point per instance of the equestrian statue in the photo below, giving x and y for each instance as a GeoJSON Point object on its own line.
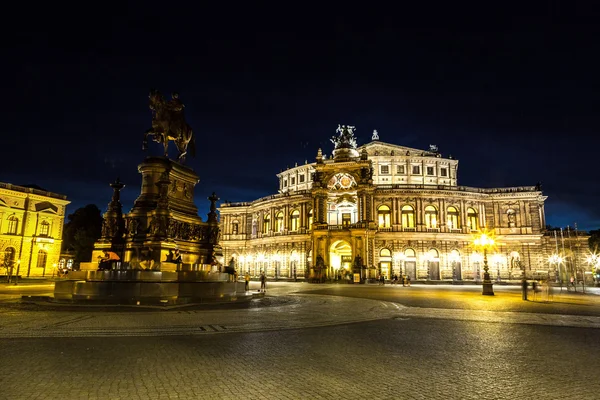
{"type": "Point", "coordinates": [168, 123]}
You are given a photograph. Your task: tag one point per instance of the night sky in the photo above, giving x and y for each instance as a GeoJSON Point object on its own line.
{"type": "Point", "coordinates": [512, 92]}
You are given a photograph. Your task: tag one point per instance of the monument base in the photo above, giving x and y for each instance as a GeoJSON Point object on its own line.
{"type": "Point", "coordinates": [135, 287]}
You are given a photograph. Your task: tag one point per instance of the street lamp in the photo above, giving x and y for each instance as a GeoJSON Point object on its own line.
{"type": "Point", "coordinates": [485, 242]}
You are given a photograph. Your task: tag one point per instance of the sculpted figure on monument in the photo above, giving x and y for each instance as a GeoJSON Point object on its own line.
{"type": "Point", "coordinates": [168, 124]}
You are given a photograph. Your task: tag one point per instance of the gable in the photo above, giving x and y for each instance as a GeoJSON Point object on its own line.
{"type": "Point", "coordinates": [382, 149]}
{"type": "Point", "coordinates": [46, 206]}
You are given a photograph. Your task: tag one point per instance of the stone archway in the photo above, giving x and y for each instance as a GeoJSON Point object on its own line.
{"type": "Point", "coordinates": [340, 260]}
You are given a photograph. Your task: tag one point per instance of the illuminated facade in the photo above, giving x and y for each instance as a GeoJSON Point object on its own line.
{"type": "Point", "coordinates": [385, 209]}
{"type": "Point", "coordinates": [31, 227]}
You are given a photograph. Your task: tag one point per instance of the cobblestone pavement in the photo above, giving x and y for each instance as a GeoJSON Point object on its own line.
{"type": "Point", "coordinates": [297, 346]}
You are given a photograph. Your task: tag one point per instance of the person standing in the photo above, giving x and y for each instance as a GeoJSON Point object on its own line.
{"type": "Point", "coordinates": [524, 288]}
{"type": "Point", "coordinates": [247, 280]}
{"type": "Point", "coordinates": [263, 282]}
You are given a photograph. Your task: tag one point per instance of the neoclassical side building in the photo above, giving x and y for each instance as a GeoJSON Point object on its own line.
{"type": "Point", "coordinates": [385, 209]}
{"type": "Point", "coordinates": [31, 227]}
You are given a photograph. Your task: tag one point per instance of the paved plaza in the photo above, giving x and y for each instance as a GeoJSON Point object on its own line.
{"type": "Point", "coordinates": [304, 341]}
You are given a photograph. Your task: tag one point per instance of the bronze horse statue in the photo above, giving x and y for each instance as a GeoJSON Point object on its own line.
{"type": "Point", "coordinates": [168, 123]}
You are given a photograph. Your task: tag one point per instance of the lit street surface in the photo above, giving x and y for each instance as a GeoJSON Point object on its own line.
{"type": "Point", "coordinates": [306, 341]}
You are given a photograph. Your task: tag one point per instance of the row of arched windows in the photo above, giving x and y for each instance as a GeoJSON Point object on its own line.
{"type": "Point", "coordinates": [13, 226]}
{"type": "Point", "coordinates": [10, 257]}
{"type": "Point", "coordinates": [278, 223]}
{"type": "Point", "coordinates": [431, 217]}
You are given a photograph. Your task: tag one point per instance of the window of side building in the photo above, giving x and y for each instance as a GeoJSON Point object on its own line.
{"type": "Point", "coordinates": [430, 171]}
{"type": "Point", "coordinates": [41, 259]}
{"type": "Point", "coordinates": [44, 228]}
{"type": "Point", "coordinates": [234, 227]}
{"type": "Point", "coordinates": [416, 170]}
{"type": "Point", "coordinates": [310, 219]}
{"type": "Point", "coordinates": [384, 169]}
{"type": "Point", "coordinates": [267, 224]}
{"type": "Point", "coordinates": [400, 169]}
{"type": "Point", "coordinates": [293, 180]}
{"type": "Point", "coordinates": [13, 223]}
{"type": "Point", "coordinates": [444, 172]}
{"type": "Point", "coordinates": [301, 178]}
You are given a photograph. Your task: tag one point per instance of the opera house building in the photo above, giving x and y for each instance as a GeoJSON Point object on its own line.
{"type": "Point", "coordinates": [386, 209]}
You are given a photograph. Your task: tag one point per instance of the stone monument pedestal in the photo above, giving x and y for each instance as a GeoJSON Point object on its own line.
{"type": "Point", "coordinates": [135, 287]}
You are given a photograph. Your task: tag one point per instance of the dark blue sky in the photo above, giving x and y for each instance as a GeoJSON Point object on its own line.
{"type": "Point", "coordinates": [512, 92]}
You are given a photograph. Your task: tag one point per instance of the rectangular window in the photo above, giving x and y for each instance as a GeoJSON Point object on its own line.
{"type": "Point", "coordinates": [416, 170]}
{"type": "Point", "coordinates": [385, 169]}
{"type": "Point", "coordinates": [346, 219]}
{"type": "Point", "coordinates": [400, 169]}
{"type": "Point", "coordinates": [301, 178]}
{"type": "Point", "coordinates": [444, 172]}
{"type": "Point", "coordinates": [293, 180]}
{"type": "Point", "coordinates": [429, 170]}
{"type": "Point", "coordinates": [285, 183]}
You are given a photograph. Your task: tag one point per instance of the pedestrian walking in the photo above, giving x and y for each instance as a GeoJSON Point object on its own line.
{"type": "Point", "coordinates": [408, 280]}
{"type": "Point", "coordinates": [247, 280]}
{"type": "Point", "coordinates": [263, 282]}
{"type": "Point", "coordinates": [524, 288]}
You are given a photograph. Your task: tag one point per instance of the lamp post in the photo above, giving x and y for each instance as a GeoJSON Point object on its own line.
{"type": "Point", "coordinates": [485, 242]}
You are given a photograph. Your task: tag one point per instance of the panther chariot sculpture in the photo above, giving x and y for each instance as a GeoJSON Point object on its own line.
{"type": "Point", "coordinates": [168, 124]}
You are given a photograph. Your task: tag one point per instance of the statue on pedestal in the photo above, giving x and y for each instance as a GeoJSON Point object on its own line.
{"type": "Point", "coordinates": [168, 123]}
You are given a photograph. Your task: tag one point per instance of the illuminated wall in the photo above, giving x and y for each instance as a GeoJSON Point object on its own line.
{"type": "Point", "coordinates": [31, 227]}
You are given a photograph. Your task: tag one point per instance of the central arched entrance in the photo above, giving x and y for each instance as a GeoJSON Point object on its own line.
{"type": "Point", "coordinates": [340, 260]}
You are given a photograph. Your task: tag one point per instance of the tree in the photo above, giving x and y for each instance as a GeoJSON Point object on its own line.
{"type": "Point", "coordinates": [594, 240]}
{"type": "Point", "coordinates": [82, 231]}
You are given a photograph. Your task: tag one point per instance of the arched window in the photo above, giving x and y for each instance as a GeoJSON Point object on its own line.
{"type": "Point", "coordinates": [13, 223]}
{"type": "Point", "coordinates": [384, 215]}
{"type": "Point", "coordinates": [266, 223]}
{"type": "Point", "coordinates": [410, 253]}
{"type": "Point", "coordinates": [294, 220]}
{"type": "Point", "coordinates": [434, 254]}
{"type": "Point", "coordinates": [408, 217]}
{"type": "Point", "coordinates": [431, 218]}
{"type": "Point", "coordinates": [41, 259]}
{"type": "Point", "coordinates": [235, 227]}
{"type": "Point", "coordinates": [279, 222]}
{"type": "Point", "coordinates": [9, 256]}
{"type": "Point", "coordinates": [44, 228]}
{"type": "Point", "coordinates": [511, 218]}
{"type": "Point", "coordinates": [453, 221]}
{"type": "Point", "coordinates": [310, 219]}
{"type": "Point", "coordinates": [472, 222]}
{"type": "Point", "coordinates": [385, 253]}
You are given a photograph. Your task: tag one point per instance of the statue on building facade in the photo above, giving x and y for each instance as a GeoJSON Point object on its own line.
{"type": "Point", "coordinates": [168, 123]}
{"type": "Point", "coordinates": [345, 138]}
